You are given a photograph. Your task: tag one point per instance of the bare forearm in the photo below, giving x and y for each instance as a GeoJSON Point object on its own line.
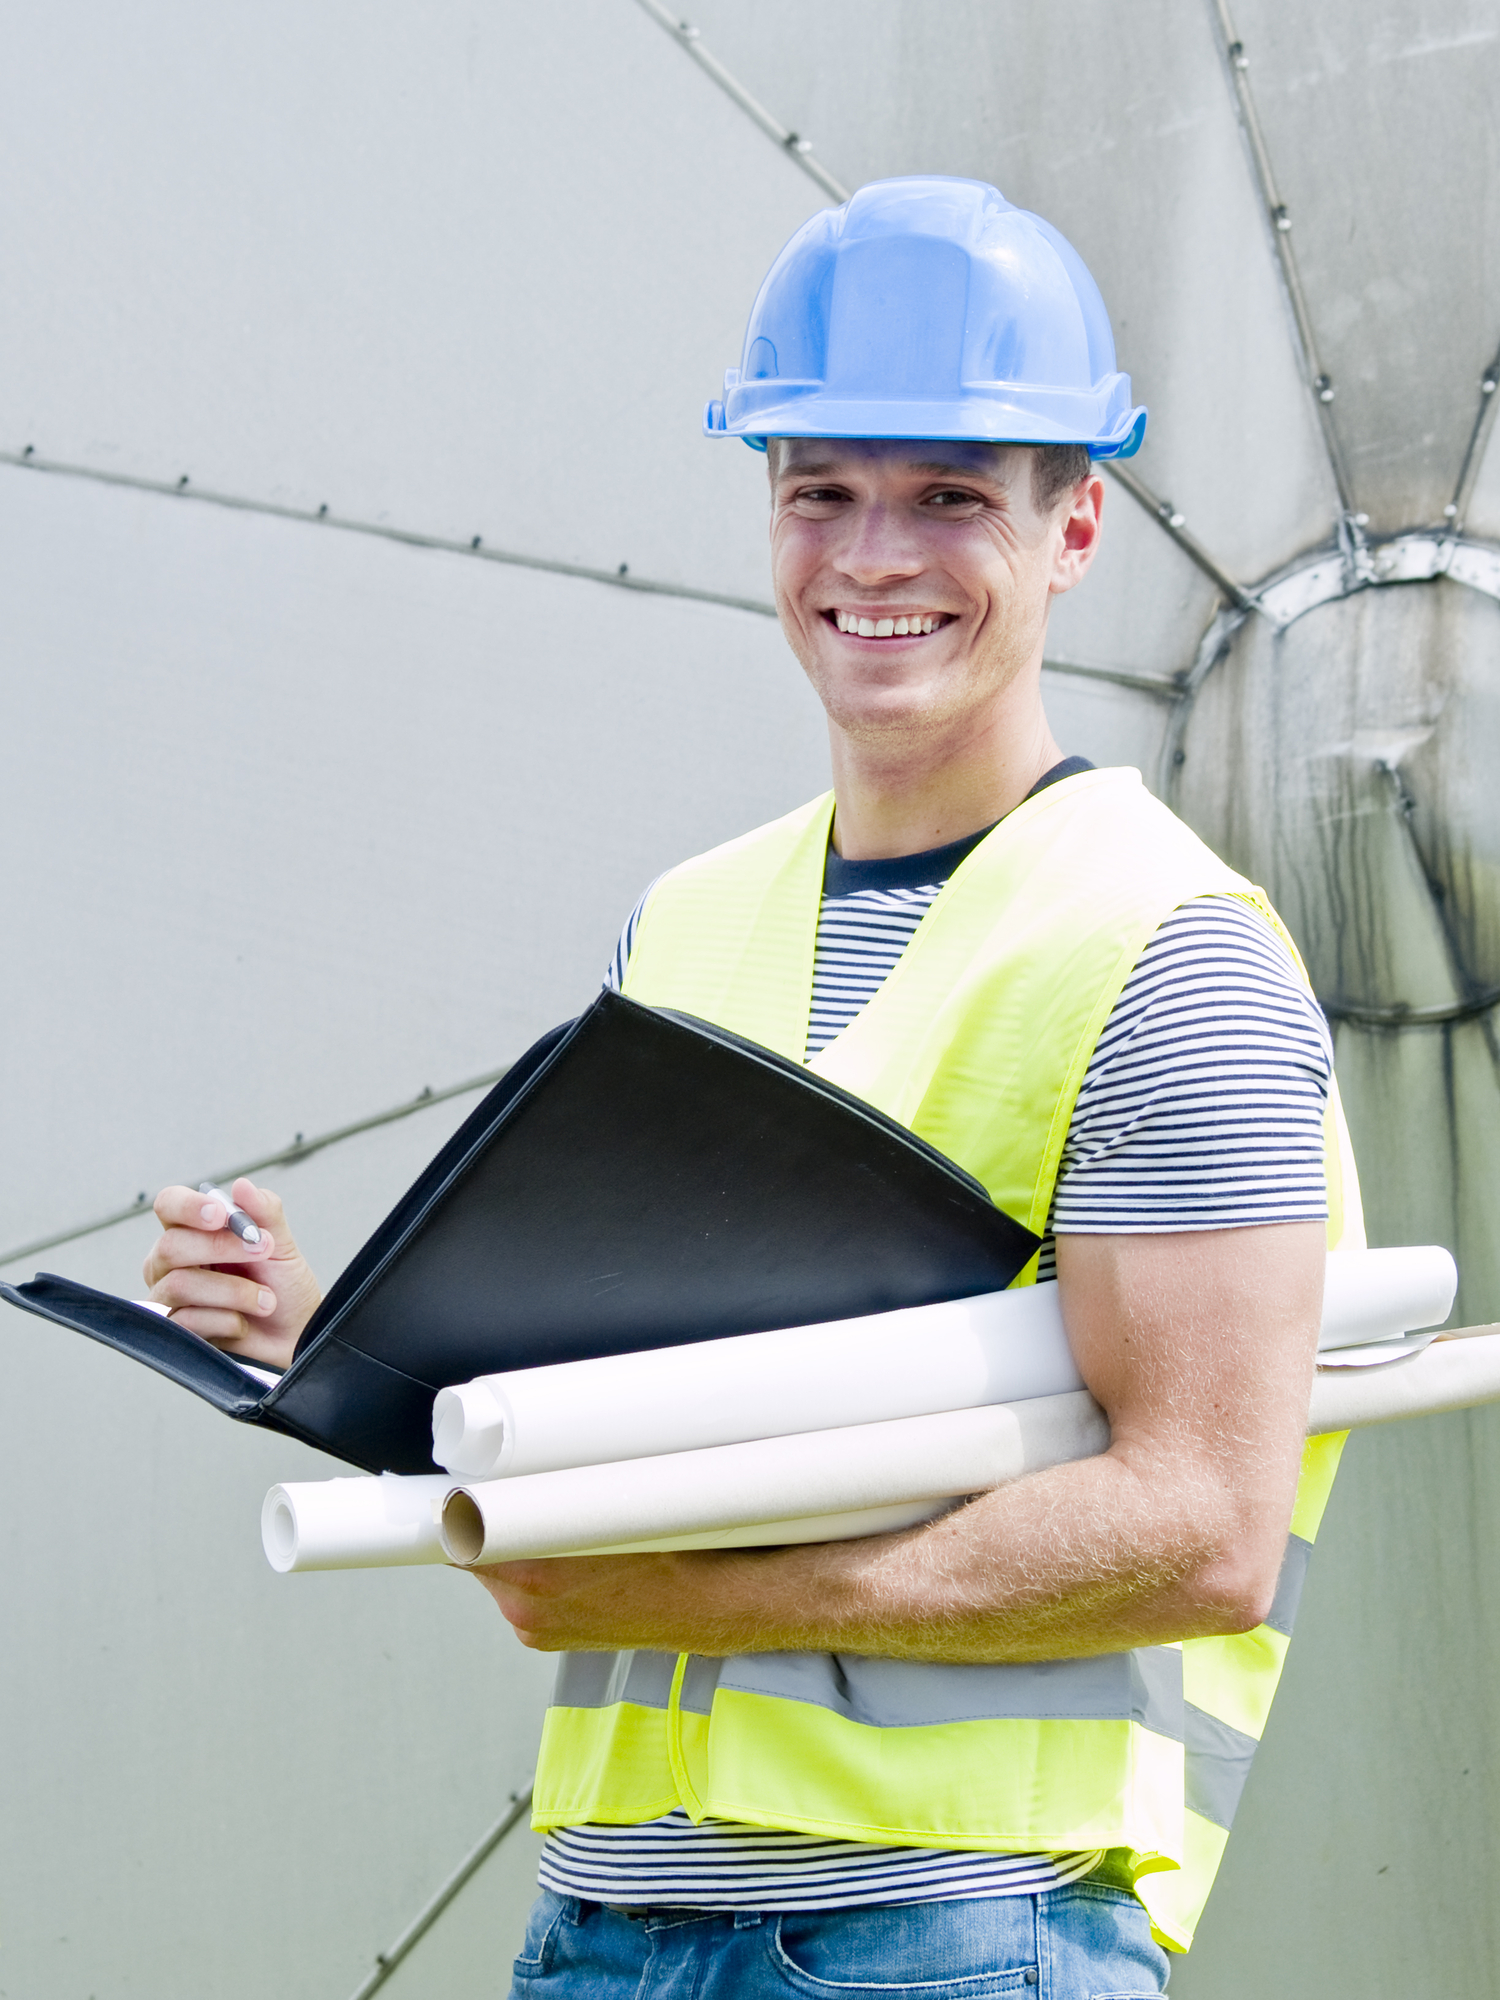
{"type": "Point", "coordinates": [1088, 1558]}
{"type": "Point", "coordinates": [1200, 1351]}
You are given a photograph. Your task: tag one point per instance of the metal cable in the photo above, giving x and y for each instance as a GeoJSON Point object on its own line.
{"type": "Point", "coordinates": [1156, 684]}
{"type": "Point", "coordinates": [1279, 221]}
{"type": "Point", "coordinates": [321, 517]}
{"type": "Point", "coordinates": [288, 1156]}
{"type": "Point", "coordinates": [387, 1961]}
{"type": "Point", "coordinates": [1172, 523]}
{"type": "Point", "coordinates": [1468, 471]}
{"type": "Point", "coordinates": [791, 143]}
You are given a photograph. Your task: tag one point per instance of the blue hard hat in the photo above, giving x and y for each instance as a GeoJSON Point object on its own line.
{"type": "Point", "coordinates": [930, 308]}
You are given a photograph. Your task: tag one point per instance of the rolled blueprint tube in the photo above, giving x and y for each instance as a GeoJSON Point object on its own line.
{"type": "Point", "coordinates": [1000, 1347]}
{"type": "Point", "coordinates": [354, 1523]}
{"type": "Point", "coordinates": [853, 1468]}
{"type": "Point", "coordinates": [1457, 1372]}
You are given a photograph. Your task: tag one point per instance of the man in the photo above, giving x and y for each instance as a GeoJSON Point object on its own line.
{"type": "Point", "coordinates": [1000, 1751]}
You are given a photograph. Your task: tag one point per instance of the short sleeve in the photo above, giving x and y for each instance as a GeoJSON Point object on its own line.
{"type": "Point", "coordinates": [1203, 1103]}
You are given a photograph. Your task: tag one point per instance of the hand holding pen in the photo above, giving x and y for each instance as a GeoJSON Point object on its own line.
{"type": "Point", "coordinates": [227, 1269]}
{"type": "Point", "coordinates": [236, 1218]}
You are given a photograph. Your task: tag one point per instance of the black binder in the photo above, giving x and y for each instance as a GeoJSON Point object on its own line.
{"type": "Point", "coordinates": [638, 1179]}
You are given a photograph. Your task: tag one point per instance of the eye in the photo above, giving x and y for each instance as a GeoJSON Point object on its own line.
{"type": "Point", "coordinates": [949, 497]}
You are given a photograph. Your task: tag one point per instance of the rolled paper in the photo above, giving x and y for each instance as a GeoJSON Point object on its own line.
{"type": "Point", "coordinates": [999, 1347]}
{"type": "Point", "coordinates": [354, 1523]}
{"type": "Point", "coordinates": [853, 1468]}
{"type": "Point", "coordinates": [1457, 1372]}
{"type": "Point", "coordinates": [1374, 1298]}
{"type": "Point", "coordinates": [1460, 1370]}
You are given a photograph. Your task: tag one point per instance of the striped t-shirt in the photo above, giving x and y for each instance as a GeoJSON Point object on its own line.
{"type": "Point", "coordinates": [1201, 1108]}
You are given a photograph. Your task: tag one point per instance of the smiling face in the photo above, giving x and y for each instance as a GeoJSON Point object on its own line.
{"type": "Point", "coordinates": [914, 579]}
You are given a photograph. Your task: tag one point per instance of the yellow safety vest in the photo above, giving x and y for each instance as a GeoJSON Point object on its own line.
{"type": "Point", "coordinates": [978, 1041]}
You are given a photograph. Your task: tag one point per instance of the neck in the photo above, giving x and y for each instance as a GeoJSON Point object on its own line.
{"type": "Point", "coordinates": [904, 792]}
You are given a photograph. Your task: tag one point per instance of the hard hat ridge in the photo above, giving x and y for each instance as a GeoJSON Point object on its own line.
{"type": "Point", "coordinates": [930, 307]}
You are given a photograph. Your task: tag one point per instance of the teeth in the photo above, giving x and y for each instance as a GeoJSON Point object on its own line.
{"type": "Point", "coordinates": [883, 628]}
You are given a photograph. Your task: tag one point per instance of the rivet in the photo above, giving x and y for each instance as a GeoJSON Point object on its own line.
{"type": "Point", "coordinates": [182, 482]}
{"type": "Point", "coordinates": [1280, 217]}
{"type": "Point", "coordinates": [476, 541]}
{"type": "Point", "coordinates": [623, 570]}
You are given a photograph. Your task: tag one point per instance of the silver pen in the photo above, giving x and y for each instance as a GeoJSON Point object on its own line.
{"type": "Point", "coordinates": [238, 1221]}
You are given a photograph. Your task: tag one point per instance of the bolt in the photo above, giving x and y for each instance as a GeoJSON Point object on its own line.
{"type": "Point", "coordinates": [1450, 511]}
{"type": "Point", "coordinates": [1486, 388]}
{"type": "Point", "coordinates": [1324, 387]}
{"type": "Point", "coordinates": [1179, 756]}
{"type": "Point", "coordinates": [1361, 520]}
{"type": "Point", "coordinates": [623, 570]}
{"type": "Point", "coordinates": [1280, 217]}
{"type": "Point", "coordinates": [1237, 55]}
{"type": "Point", "coordinates": [28, 451]}
{"type": "Point", "coordinates": [182, 482]}
{"type": "Point", "coordinates": [323, 511]}
{"type": "Point", "coordinates": [476, 541]}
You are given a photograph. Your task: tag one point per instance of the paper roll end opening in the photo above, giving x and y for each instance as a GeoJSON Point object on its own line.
{"type": "Point", "coordinates": [447, 1427]}
{"type": "Point", "coordinates": [462, 1527]}
{"type": "Point", "coordinates": [278, 1530]}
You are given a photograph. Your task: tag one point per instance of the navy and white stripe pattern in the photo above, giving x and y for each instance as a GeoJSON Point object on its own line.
{"type": "Point", "coordinates": [719, 1866]}
{"type": "Point", "coordinates": [1202, 1105]}
{"type": "Point", "coordinates": [1201, 1108]}
{"type": "Point", "coordinates": [860, 938]}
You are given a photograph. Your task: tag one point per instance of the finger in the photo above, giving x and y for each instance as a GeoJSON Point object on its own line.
{"type": "Point", "coordinates": [217, 1290]}
{"type": "Point", "coordinates": [192, 1249]}
{"type": "Point", "coordinates": [262, 1207]}
{"type": "Point", "coordinates": [221, 1328]}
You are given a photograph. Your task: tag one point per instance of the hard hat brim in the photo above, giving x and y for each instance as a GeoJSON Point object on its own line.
{"type": "Point", "coordinates": [1102, 420]}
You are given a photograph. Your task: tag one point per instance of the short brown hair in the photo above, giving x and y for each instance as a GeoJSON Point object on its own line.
{"type": "Point", "coordinates": [1055, 469]}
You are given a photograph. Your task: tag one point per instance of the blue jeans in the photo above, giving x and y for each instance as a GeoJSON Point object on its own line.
{"type": "Point", "coordinates": [1084, 1942]}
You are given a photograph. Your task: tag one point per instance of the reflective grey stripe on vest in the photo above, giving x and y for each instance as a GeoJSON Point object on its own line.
{"type": "Point", "coordinates": [597, 1680]}
{"type": "Point", "coordinates": [1283, 1612]}
{"type": "Point", "coordinates": [1218, 1763]}
{"type": "Point", "coordinates": [1143, 1686]}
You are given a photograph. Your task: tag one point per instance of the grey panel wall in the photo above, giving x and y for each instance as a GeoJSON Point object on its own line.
{"type": "Point", "coordinates": [298, 821]}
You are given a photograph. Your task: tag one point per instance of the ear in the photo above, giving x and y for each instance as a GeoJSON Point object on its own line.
{"type": "Point", "coordinates": [1081, 518]}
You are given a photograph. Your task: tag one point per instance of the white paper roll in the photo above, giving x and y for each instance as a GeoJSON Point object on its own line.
{"type": "Point", "coordinates": [855, 1467]}
{"type": "Point", "coordinates": [1454, 1373]}
{"type": "Point", "coordinates": [354, 1523]}
{"type": "Point", "coordinates": [998, 1347]}
{"type": "Point", "coordinates": [1379, 1296]}
{"type": "Point", "coordinates": [1457, 1372]}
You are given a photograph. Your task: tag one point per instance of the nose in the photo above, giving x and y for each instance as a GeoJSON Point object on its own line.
{"type": "Point", "coordinates": [877, 545]}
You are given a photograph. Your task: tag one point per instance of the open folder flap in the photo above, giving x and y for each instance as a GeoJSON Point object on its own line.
{"type": "Point", "coordinates": [638, 1180]}
{"type": "Point", "coordinates": [145, 1336]}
